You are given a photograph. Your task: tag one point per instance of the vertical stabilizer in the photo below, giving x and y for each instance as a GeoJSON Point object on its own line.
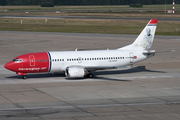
{"type": "Point", "coordinates": [145, 39]}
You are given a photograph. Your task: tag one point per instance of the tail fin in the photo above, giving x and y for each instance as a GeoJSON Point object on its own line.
{"type": "Point", "coordinates": [145, 39]}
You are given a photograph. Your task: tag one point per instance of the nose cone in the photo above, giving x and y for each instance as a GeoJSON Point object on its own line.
{"type": "Point", "coordinates": [10, 66]}
{"type": "Point", "coordinates": [7, 65]}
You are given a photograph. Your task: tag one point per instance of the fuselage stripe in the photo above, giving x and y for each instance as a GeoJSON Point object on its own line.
{"type": "Point", "coordinates": [49, 62]}
{"type": "Point", "coordinates": [152, 25]}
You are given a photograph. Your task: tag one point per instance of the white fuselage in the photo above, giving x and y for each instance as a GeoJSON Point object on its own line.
{"type": "Point", "coordinates": [96, 58]}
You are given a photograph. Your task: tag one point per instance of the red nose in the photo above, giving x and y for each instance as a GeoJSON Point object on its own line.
{"type": "Point", "coordinates": [7, 65]}
{"type": "Point", "coordinates": [10, 66]}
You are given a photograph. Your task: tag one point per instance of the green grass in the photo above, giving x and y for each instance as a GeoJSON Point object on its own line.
{"type": "Point", "coordinates": [87, 26]}
{"type": "Point", "coordinates": [92, 25]}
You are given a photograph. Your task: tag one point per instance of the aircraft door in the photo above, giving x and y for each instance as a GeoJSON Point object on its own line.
{"type": "Point", "coordinates": [131, 55]}
{"type": "Point", "coordinates": [32, 60]}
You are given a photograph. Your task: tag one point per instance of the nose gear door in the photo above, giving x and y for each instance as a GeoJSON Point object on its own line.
{"type": "Point", "coordinates": [32, 60]}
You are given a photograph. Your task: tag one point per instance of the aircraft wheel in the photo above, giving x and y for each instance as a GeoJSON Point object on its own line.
{"type": "Point", "coordinates": [24, 77]}
{"type": "Point", "coordinates": [90, 75]}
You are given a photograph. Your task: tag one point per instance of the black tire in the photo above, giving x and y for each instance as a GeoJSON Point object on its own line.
{"type": "Point", "coordinates": [90, 75]}
{"type": "Point", "coordinates": [24, 77]}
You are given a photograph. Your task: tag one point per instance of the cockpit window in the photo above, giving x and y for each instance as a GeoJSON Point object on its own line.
{"type": "Point", "coordinates": [17, 60]}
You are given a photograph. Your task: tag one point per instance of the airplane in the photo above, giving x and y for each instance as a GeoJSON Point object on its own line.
{"type": "Point", "coordinates": [80, 64]}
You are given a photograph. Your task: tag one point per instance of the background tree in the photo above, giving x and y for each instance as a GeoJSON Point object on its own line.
{"type": "Point", "coordinates": [86, 2]}
{"type": "Point", "coordinates": [3, 2]}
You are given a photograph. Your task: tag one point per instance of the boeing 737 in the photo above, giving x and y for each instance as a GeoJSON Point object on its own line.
{"type": "Point", "coordinates": [79, 64]}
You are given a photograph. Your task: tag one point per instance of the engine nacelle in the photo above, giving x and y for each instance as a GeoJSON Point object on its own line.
{"type": "Point", "coordinates": [75, 72]}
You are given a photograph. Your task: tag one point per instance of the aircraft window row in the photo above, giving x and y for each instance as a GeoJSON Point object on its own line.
{"type": "Point", "coordinates": [104, 58]}
{"type": "Point", "coordinates": [57, 60]}
{"type": "Point", "coordinates": [42, 60]}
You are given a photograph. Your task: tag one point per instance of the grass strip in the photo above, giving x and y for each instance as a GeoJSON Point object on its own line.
{"type": "Point", "coordinates": [87, 26]}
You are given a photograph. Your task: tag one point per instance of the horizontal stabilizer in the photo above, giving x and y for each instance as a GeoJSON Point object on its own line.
{"type": "Point", "coordinates": [149, 51]}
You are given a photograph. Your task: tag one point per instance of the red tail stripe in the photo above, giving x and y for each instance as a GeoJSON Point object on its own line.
{"type": "Point", "coordinates": [154, 21]}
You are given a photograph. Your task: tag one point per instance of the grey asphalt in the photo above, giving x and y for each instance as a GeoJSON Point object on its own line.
{"type": "Point", "coordinates": [149, 90]}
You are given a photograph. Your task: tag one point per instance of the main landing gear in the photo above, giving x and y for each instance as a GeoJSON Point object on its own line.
{"type": "Point", "coordinates": [90, 75]}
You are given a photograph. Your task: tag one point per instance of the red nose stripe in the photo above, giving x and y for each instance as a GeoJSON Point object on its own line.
{"type": "Point", "coordinates": [35, 62]}
{"type": "Point", "coordinates": [31, 63]}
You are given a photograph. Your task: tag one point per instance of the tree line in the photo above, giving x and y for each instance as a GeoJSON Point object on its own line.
{"type": "Point", "coordinates": [86, 2]}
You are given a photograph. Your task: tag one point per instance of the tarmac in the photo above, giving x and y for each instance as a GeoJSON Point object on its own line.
{"type": "Point", "coordinates": [145, 91]}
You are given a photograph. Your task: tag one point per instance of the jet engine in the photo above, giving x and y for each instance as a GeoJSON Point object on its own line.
{"type": "Point", "coordinates": [75, 72]}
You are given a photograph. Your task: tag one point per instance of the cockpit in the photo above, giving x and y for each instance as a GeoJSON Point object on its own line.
{"type": "Point", "coordinates": [17, 60]}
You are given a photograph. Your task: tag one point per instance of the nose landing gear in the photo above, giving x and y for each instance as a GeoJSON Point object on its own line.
{"type": "Point", "coordinates": [23, 75]}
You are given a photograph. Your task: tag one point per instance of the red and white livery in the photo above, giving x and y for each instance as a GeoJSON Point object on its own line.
{"type": "Point", "coordinates": [78, 64]}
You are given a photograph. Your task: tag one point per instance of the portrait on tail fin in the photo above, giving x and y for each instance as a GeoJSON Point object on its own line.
{"type": "Point", "coordinates": [147, 39]}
